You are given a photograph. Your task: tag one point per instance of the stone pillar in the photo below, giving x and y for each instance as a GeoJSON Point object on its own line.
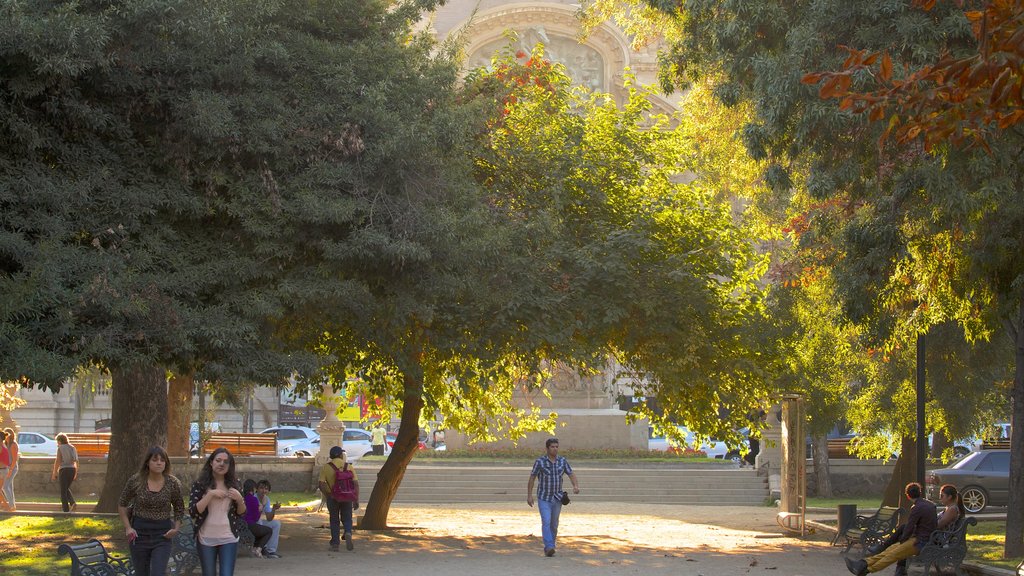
{"type": "Point", "coordinates": [331, 429]}
{"type": "Point", "coordinates": [794, 458]}
{"type": "Point", "coordinates": [769, 460]}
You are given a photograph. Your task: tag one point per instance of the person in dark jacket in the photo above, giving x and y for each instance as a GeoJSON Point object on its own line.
{"type": "Point", "coordinates": [215, 505]}
{"type": "Point", "coordinates": [919, 527]}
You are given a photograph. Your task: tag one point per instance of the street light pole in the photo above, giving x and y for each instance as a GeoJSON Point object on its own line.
{"type": "Point", "coordinates": [922, 440]}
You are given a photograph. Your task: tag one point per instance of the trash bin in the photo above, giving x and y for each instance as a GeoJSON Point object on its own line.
{"type": "Point", "coordinates": [846, 515]}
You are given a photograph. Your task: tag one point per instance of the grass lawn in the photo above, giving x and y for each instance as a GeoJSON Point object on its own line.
{"type": "Point", "coordinates": [28, 544]}
{"type": "Point", "coordinates": [985, 544]}
{"type": "Point", "coordinates": [285, 498]}
{"type": "Point", "coordinates": [869, 504]}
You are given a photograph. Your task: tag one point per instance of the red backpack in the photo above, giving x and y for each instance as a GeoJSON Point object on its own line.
{"type": "Point", "coordinates": [344, 487]}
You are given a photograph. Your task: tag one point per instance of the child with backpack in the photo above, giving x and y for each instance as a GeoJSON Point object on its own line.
{"type": "Point", "coordinates": [340, 488]}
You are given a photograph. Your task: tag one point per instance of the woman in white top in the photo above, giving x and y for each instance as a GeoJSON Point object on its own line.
{"type": "Point", "coordinates": [216, 505]}
{"type": "Point", "coordinates": [65, 465]}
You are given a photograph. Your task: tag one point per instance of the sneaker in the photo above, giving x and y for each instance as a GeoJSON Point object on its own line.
{"type": "Point", "coordinates": [348, 541]}
{"type": "Point", "coordinates": [271, 555]}
{"type": "Point", "coordinates": [333, 548]}
{"type": "Point", "coordinates": [549, 552]}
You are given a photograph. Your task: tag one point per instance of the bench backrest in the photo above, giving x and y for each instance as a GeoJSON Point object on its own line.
{"type": "Point", "coordinates": [90, 444]}
{"type": "Point", "coordinates": [243, 444]}
{"type": "Point", "coordinates": [88, 558]}
{"type": "Point", "coordinates": [886, 518]}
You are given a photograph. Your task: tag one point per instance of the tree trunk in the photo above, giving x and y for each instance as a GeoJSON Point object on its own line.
{"type": "Point", "coordinates": [1014, 543]}
{"type": "Point", "coordinates": [179, 413]}
{"type": "Point", "coordinates": [903, 473]}
{"type": "Point", "coordinates": [939, 445]}
{"type": "Point", "coordinates": [406, 443]}
{"type": "Point", "coordinates": [822, 475]}
{"type": "Point", "coordinates": [138, 415]}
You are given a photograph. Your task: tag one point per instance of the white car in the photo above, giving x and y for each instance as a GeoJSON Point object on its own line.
{"type": "Point", "coordinates": [36, 444]}
{"type": "Point", "coordinates": [291, 438]}
{"type": "Point", "coordinates": [356, 444]}
{"type": "Point", "coordinates": [714, 448]}
{"type": "Point", "coordinates": [302, 449]}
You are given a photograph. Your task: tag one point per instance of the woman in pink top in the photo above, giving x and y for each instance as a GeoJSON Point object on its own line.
{"type": "Point", "coordinates": [215, 505]}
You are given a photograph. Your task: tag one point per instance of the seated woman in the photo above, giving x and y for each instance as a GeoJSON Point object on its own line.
{"type": "Point", "coordinates": [252, 519]}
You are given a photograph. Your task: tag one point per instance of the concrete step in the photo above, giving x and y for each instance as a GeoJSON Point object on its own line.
{"type": "Point", "coordinates": [711, 485]}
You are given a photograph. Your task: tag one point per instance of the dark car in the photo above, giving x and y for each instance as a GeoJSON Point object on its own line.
{"type": "Point", "coordinates": [982, 477]}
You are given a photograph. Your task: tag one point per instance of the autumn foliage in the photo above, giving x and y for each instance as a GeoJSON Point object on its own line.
{"type": "Point", "coordinates": [959, 98]}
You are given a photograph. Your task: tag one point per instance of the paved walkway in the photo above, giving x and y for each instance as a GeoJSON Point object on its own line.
{"type": "Point", "coordinates": [614, 539]}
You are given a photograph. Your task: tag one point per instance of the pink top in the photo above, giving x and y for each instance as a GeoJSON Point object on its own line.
{"type": "Point", "coordinates": [216, 528]}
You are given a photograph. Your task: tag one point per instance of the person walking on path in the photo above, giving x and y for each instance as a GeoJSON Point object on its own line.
{"type": "Point", "coordinates": [9, 441]}
{"type": "Point", "coordinates": [377, 439]}
{"type": "Point", "coordinates": [154, 499]}
{"type": "Point", "coordinates": [268, 512]}
{"type": "Point", "coordinates": [65, 466]}
{"type": "Point", "coordinates": [549, 469]}
{"type": "Point", "coordinates": [916, 532]}
{"type": "Point", "coordinates": [216, 507]}
{"type": "Point", "coordinates": [339, 511]}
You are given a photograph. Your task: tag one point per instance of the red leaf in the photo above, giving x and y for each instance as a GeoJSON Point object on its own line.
{"type": "Point", "coordinates": [885, 70]}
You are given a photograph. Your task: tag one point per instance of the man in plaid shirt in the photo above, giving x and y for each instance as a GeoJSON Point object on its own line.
{"type": "Point", "coordinates": [549, 469]}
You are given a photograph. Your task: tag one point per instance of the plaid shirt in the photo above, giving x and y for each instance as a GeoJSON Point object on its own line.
{"type": "Point", "coordinates": [549, 476]}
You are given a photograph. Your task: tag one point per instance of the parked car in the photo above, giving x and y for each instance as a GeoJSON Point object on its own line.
{"type": "Point", "coordinates": [36, 444]}
{"type": "Point", "coordinates": [289, 436]}
{"type": "Point", "coordinates": [713, 448]}
{"type": "Point", "coordinates": [302, 449]}
{"type": "Point", "coordinates": [193, 435]}
{"type": "Point", "coordinates": [356, 443]}
{"type": "Point", "coordinates": [389, 441]}
{"type": "Point", "coordinates": [982, 477]}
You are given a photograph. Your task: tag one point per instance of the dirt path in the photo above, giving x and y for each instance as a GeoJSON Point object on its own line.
{"type": "Point", "coordinates": [613, 539]}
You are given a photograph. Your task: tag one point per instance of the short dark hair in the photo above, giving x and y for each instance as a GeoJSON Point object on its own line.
{"type": "Point", "coordinates": [62, 438]}
{"type": "Point", "coordinates": [549, 442]}
{"type": "Point", "coordinates": [263, 484]}
{"type": "Point", "coordinates": [913, 490]}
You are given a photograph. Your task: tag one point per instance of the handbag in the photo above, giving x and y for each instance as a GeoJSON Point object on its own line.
{"type": "Point", "coordinates": [565, 498]}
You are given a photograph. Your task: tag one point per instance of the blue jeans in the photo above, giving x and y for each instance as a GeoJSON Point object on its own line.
{"type": "Point", "coordinates": [549, 512]}
{"type": "Point", "coordinates": [340, 514]}
{"type": "Point", "coordinates": [208, 556]}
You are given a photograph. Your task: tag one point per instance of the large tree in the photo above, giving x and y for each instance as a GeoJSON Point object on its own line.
{"type": "Point", "coordinates": [920, 238]}
{"type": "Point", "coordinates": [589, 247]}
{"type": "Point", "coordinates": [183, 184]}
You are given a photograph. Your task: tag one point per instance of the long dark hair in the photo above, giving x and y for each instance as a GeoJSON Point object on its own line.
{"type": "Point", "coordinates": [206, 474]}
{"type": "Point", "coordinates": [9, 436]}
{"type": "Point", "coordinates": [155, 451]}
{"type": "Point", "coordinates": [952, 492]}
{"type": "Point", "coordinates": [249, 486]}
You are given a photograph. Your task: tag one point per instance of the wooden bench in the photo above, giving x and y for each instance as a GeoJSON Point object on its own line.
{"type": "Point", "coordinates": [242, 444]}
{"type": "Point", "coordinates": [184, 554]}
{"type": "Point", "coordinates": [945, 548]}
{"type": "Point", "coordinates": [1003, 444]}
{"type": "Point", "coordinates": [90, 444]}
{"type": "Point", "coordinates": [870, 530]}
{"type": "Point", "coordinates": [840, 447]}
{"type": "Point", "coordinates": [92, 559]}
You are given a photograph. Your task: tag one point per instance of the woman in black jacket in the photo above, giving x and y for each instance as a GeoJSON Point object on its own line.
{"type": "Point", "coordinates": [216, 505]}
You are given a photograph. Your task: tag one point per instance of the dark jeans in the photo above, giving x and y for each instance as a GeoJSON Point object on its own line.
{"type": "Point", "coordinates": [261, 533]}
{"type": "Point", "coordinates": [340, 514]}
{"type": "Point", "coordinates": [209, 556]}
{"type": "Point", "coordinates": [755, 449]}
{"type": "Point", "coordinates": [151, 550]}
{"type": "Point", "coordinates": [378, 450]}
{"type": "Point", "coordinates": [66, 476]}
